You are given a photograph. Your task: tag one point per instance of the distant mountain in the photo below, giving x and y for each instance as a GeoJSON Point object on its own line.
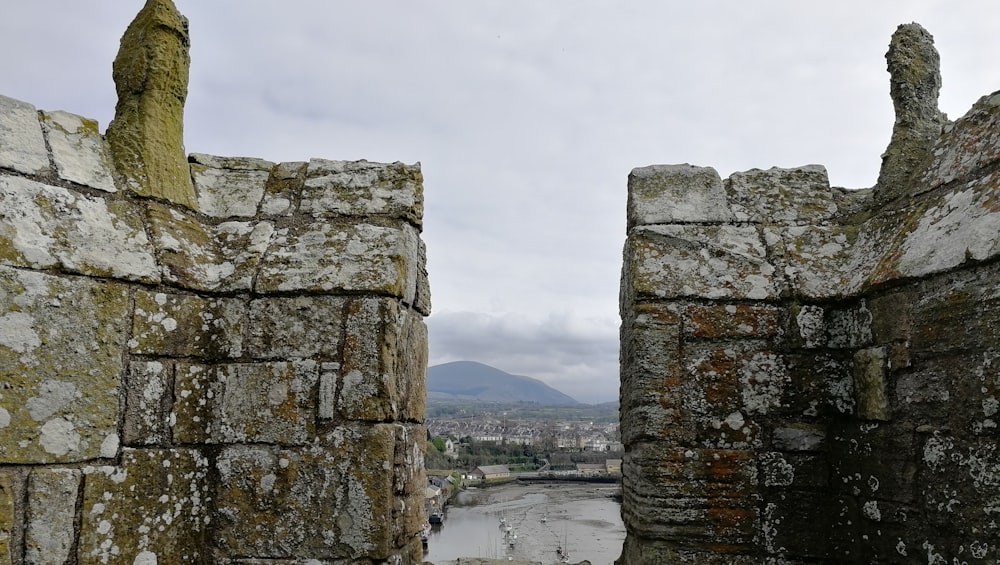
{"type": "Point", "coordinates": [468, 380]}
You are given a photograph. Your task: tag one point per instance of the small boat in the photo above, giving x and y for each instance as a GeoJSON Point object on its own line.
{"type": "Point", "coordinates": [437, 518]}
{"type": "Point", "coordinates": [425, 534]}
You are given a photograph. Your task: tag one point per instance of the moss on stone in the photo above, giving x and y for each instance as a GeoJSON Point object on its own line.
{"type": "Point", "coordinates": [151, 78]}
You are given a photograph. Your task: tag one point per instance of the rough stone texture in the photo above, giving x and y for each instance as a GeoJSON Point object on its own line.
{"type": "Point", "coordinates": [914, 67]}
{"type": "Point", "coordinates": [78, 150]}
{"type": "Point", "coordinates": [155, 504]}
{"type": "Point", "coordinates": [325, 502]}
{"type": "Point", "coordinates": [225, 370]}
{"type": "Point", "coordinates": [151, 78]}
{"type": "Point", "coordinates": [43, 226]}
{"type": "Point", "coordinates": [61, 341]}
{"type": "Point", "coordinates": [22, 146]}
{"type": "Point", "coordinates": [52, 495]}
{"type": "Point", "coordinates": [667, 194]}
{"type": "Point", "coordinates": [362, 188]}
{"type": "Point", "coordinates": [808, 375]}
{"type": "Point", "coordinates": [11, 521]}
{"type": "Point", "coordinates": [229, 187]}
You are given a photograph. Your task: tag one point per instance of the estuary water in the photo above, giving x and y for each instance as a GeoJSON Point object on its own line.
{"type": "Point", "coordinates": [531, 522]}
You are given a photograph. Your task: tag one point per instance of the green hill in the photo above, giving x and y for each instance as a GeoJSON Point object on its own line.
{"type": "Point", "coordinates": [471, 381]}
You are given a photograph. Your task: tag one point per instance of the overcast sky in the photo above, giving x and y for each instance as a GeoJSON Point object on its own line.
{"type": "Point", "coordinates": [526, 116]}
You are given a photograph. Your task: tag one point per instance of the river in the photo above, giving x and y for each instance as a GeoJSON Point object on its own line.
{"type": "Point", "coordinates": [581, 519]}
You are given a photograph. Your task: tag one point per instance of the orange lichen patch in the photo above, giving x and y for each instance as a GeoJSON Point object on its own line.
{"type": "Point", "coordinates": [732, 320]}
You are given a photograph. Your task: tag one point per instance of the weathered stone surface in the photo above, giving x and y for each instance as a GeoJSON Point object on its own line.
{"type": "Point", "coordinates": [78, 150]}
{"type": "Point", "coordinates": [798, 438]}
{"type": "Point", "coordinates": [777, 196]}
{"type": "Point", "coordinates": [210, 258]}
{"type": "Point", "coordinates": [363, 188]}
{"type": "Point", "coordinates": [914, 68]}
{"type": "Point", "coordinates": [284, 189]}
{"type": "Point", "coordinates": [229, 186]}
{"type": "Point", "coordinates": [61, 343]}
{"type": "Point", "coordinates": [731, 321]}
{"type": "Point", "coordinates": [44, 226]}
{"type": "Point", "coordinates": [355, 257]}
{"type": "Point", "coordinates": [151, 78]}
{"type": "Point", "coordinates": [383, 364]}
{"type": "Point", "coordinates": [300, 327]}
{"type": "Point", "coordinates": [960, 225]}
{"type": "Point", "coordinates": [967, 146]}
{"type": "Point", "coordinates": [328, 502]}
{"type": "Point", "coordinates": [692, 498]}
{"type": "Point", "coordinates": [149, 392]}
{"type": "Point", "coordinates": [22, 146]}
{"type": "Point", "coordinates": [186, 325]}
{"type": "Point", "coordinates": [672, 194]}
{"type": "Point", "coordinates": [851, 416]}
{"type": "Point", "coordinates": [651, 375]}
{"type": "Point", "coordinates": [50, 531]}
{"type": "Point", "coordinates": [152, 508]}
{"type": "Point", "coordinates": [713, 262]}
{"type": "Point", "coordinates": [245, 402]}
{"type": "Point", "coordinates": [11, 522]}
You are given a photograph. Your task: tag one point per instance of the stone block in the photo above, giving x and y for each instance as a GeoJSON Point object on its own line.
{"type": "Point", "coordinates": [708, 262]}
{"type": "Point", "coordinates": [675, 194]}
{"type": "Point", "coordinates": [651, 374]}
{"type": "Point", "coordinates": [22, 146]}
{"type": "Point", "coordinates": [955, 226]}
{"type": "Point", "coordinates": [11, 516]}
{"type": "Point", "coordinates": [284, 189]}
{"type": "Point", "coordinates": [298, 327]}
{"type": "Point", "coordinates": [891, 317]}
{"type": "Point", "coordinates": [967, 146]}
{"type": "Point", "coordinates": [870, 387]}
{"type": "Point", "coordinates": [323, 502]}
{"type": "Point", "coordinates": [807, 525]}
{"type": "Point", "coordinates": [224, 257]}
{"type": "Point", "coordinates": [363, 188]}
{"type": "Point", "coordinates": [696, 498]}
{"type": "Point", "coordinates": [45, 226]}
{"type": "Point", "coordinates": [822, 262]}
{"type": "Point", "coordinates": [229, 186]}
{"type": "Point", "coordinates": [782, 196]}
{"type": "Point", "coordinates": [422, 300]}
{"type": "Point", "coordinates": [382, 373]}
{"type": "Point", "coordinates": [328, 257]}
{"type": "Point", "coordinates": [821, 385]}
{"type": "Point", "coordinates": [50, 532]}
{"type": "Point", "coordinates": [79, 151]}
{"type": "Point", "coordinates": [245, 402]}
{"type": "Point", "coordinates": [151, 508]}
{"type": "Point", "coordinates": [798, 437]}
{"type": "Point", "coordinates": [187, 325]}
{"type": "Point", "coordinates": [810, 329]}
{"type": "Point", "coordinates": [729, 378]}
{"type": "Point", "coordinates": [849, 327]}
{"type": "Point", "coordinates": [148, 402]}
{"type": "Point", "coordinates": [719, 321]}
{"type": "Point", "coordinates": [61, 345]}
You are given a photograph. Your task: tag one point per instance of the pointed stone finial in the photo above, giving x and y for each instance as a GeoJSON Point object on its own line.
{"type": "Point", "coordinates": [915, 81]}
{"type": "Point", "coordinates": [151, 78]}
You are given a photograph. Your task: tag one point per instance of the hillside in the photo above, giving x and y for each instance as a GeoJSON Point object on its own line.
{"type": "Point", "coordinates": [471, 381]}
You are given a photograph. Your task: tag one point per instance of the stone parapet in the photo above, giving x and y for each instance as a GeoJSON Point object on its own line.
{"type": "Point", "coordinates": [234, 378]}
{"type": "Point", "coordinates": [809, 374]}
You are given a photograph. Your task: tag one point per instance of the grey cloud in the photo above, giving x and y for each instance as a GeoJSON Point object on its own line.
{"type": "Point", "coordinates": [577, 356]}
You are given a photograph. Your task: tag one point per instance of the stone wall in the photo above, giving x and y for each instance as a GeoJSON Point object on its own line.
{"type": "Point", "coordinates": [810, 374]}
{"type": "Point", "coordinates": [231, 377]}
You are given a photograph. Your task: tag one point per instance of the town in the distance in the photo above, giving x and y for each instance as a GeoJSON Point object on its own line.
{"type": "Point", "coordinates": [479, 416]}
